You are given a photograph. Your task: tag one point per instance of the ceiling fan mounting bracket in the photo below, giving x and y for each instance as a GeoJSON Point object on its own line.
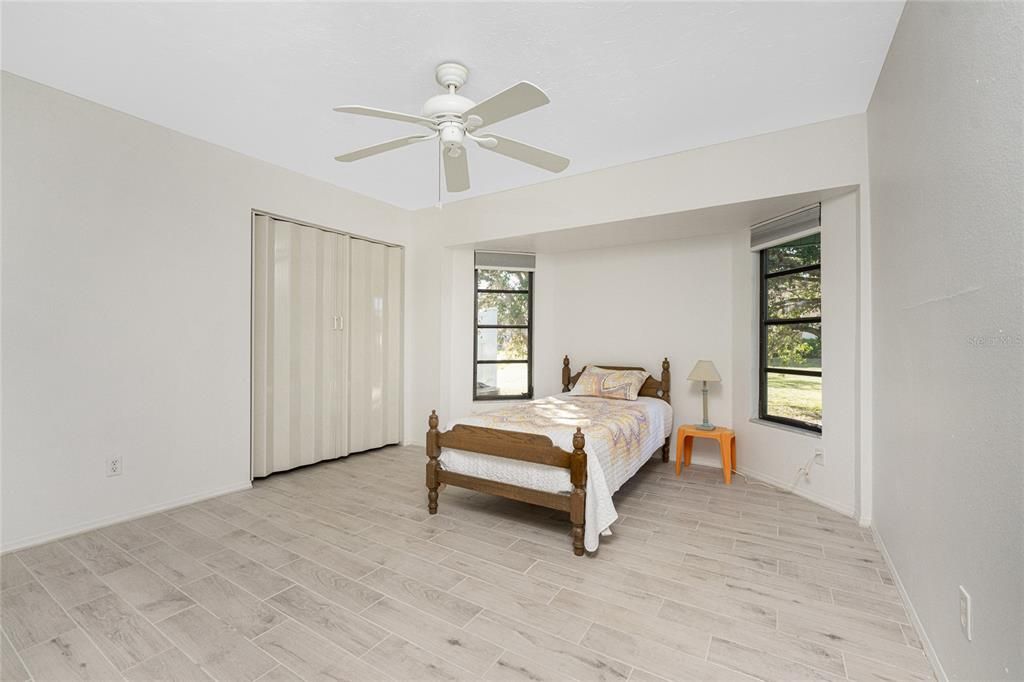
{"type": "Point", "coordinates": [451, 74]}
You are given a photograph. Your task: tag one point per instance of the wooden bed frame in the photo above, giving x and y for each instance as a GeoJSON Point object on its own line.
{"type": "Point", "coordinates": [529, 447]}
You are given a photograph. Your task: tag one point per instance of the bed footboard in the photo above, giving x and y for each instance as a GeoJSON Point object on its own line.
{"type": "Point", "coordinates": [525, 447]}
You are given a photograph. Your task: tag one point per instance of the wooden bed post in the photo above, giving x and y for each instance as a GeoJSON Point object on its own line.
{"type": "Point", "coordinates": [433, 451]}
{"type": "Point", "coordinates": [578, 497]}
{"type": "Point", "coordinates": [566, 373]}
{"type": "Point", "coordinates": [666, 387]}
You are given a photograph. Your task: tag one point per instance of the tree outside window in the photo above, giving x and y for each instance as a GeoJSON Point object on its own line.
{"type": "Point", "coordinates": [790, 387]}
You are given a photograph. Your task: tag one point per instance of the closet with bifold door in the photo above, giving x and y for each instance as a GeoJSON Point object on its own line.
{"type": "Point", "coordinates": [326, 344]}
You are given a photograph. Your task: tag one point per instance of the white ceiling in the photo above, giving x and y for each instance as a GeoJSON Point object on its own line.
{"type": "Point", "coordinates": [628, 81]}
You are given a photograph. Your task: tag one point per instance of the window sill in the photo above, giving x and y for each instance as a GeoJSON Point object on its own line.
{"type": "Point", "coordinates": [785, 427]}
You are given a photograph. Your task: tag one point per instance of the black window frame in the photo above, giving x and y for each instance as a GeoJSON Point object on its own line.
{"type": "Point", "coordinates": [764, 322]}
{"type": "Point", "coordinates": [529, 335]}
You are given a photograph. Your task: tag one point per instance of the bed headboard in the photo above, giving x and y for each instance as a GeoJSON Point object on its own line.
{"type": "Point", "coordinates": [652, 388]}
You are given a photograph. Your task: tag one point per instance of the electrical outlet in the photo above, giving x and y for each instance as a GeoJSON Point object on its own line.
{"type": "Point", "coordinates": [965, 614]}
{"type": "Point", "coordinates": [819, 457]}
{"type": "Point", "coordinates": [115, 465]}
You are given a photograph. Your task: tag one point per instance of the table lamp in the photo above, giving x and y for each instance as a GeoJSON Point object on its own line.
{"type": "Point", "coordinates": [704, 371]}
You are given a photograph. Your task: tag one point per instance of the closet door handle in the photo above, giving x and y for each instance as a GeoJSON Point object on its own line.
{"type": "Point", "coordinates": [341, 322]}
{"type": "Point", "coordinates": [334, 323]}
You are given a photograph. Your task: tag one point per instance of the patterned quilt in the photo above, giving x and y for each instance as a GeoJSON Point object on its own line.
{"type": "Point", "coordinates": [620, 436]}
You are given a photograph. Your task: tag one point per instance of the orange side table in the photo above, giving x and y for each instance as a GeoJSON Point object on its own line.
{"type": "Point", "coordinates": [726, 444]}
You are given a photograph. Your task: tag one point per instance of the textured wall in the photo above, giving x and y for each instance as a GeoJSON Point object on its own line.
{"type": "Point", "coordinates": [947, 187]}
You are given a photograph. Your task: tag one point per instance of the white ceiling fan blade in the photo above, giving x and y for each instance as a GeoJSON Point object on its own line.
{"type": "Point", "coordinates": [456, 172]}
{"type": "Point", "coordinates": [384, 113]}
{"type": "Point", "coordinates": [382, 147]}
{"type": "Point", "coordinates": [516, 100]}
{"type": "Point", "coordinates": [526, 153]}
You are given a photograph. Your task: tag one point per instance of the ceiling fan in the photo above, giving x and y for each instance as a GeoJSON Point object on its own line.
{"type": "Point", "coordinates": [453, 119]}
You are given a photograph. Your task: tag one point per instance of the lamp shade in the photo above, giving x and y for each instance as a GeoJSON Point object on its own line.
{"type": "Point", "coordinates": [704, 370]}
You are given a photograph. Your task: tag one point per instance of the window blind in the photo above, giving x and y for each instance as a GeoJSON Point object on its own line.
{"type": "Point", "coordinates": [799, 223]}
{"type": "Point", "coordinates": [503, 260]}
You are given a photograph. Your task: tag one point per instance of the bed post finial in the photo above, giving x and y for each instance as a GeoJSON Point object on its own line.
{"type": "Point", "coordinates": [433, 451]}
{"type": "Point", "coordinates": [578, 497]}
{"type": "Point", "coordinates": [566, 373]}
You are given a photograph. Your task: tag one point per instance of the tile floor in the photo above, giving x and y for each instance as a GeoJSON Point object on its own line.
{"type": "Point", "coordinates": [336, 571]}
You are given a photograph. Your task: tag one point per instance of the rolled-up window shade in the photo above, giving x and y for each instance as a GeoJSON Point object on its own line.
{"type": "Point", "coordinates": [785, 228]}
{"type": "Point", "coordinates": [500, 260]}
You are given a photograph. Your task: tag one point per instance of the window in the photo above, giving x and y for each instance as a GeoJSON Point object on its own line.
{"type": "Point", "coordinates": [791, 333]}
{"type": "Point", "coordinates": [503, 329]}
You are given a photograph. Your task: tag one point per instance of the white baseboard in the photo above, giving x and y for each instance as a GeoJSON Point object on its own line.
{"type": "Point", "coordinates": [929, 650]}
{"type": "Point", "coordinates": [43, 538]}
{"type": "Point", "coordinates": [806, 494]}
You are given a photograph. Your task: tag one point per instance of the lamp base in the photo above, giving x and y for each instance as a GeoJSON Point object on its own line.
{"type": "Point", "coordinates": [705, 427]}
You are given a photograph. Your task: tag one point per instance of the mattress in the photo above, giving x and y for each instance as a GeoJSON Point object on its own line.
{"type": "Point", "coordinates": [620, 436]}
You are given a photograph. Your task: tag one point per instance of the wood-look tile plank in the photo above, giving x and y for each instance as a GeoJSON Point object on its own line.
{"type": "Point", "coordinates": [233, 605]}
{"type": "Point", "coordinates": [354, 566]}
{"type": "Point", "coordinates": [312, 657]}
{"type": "Point", "coordinates": [170, 563]}
{"type": "Point", "coordinates": [13, 572]}
{"type": "Point", "coordinates": [614, 591]}
{"type": "Point", "coordinates": [403, 660]}
{"type": "Point", "coordinates": [330, 584]}
{"type": "Point", "coordinates": [406, 543]}
{"type": "Point", "coordinates": [31, 616]}
{"type": "Point", "coordinates": [827, 659]}
{"type": "Point", "coordinates": [280, 674]}
{"type": "Point", "coordinates": [169, 666]}
{"type": "Point", "coordinates": [555, 653]}
{"type": "Point", "coordinates": [51, 551]}
{"type": "Point", "coordinates": [527, 585]}
{"type": "Point", "coordinates": [459, 646]}
{"type": "Point", "coordinates": [69, 582]}
{"type": "Point", "coordinates": [761, 664]}
{"type": "Point", "coordinates": [663, 660]}
{"type": "Point", "coordinates": [100, 555]}
{"type": "Point", "coordinates": [202, 522]}
{"type": "Point", "coordinates": [413, 566]}
{"type": "Point", "coordinates": [874, 607]}
{"type": "Point", "coordinates": [679, 636]}
{"type": "Point", "coordinates": [69, 656]}
{"type": "Point", "coordinates": [216, 646]}
{"type": "Point", "coordinates": [829, 631]}
{"type": "Point", "coordinates": [537, 614]}
{"type": "Point", "coordinates": [124, 636]}
{"type": "Point", "coordinates": [148, 523]}
{"type": "Point", "coordinates": [154, 597]}
{"type": "Point", "coordinates": [339, 625]}
{"type": "Point", "coordinates": [248, 574]}
{"type": "Point", "coordinates": [187, 540]}
{"type": "Point", "coordinates": [511, 667]}
{"type": "Point", "coordinates": [11, 668]}
{"type": "Point", "coordinates": [862, 669]}
{"type": "Point", "coordinates": [258, 549]}
{"type": "Point", "coordinates": [129, 535]}
{"type": "Point", "coordinates": [468, 545]}
{"type": "Point", "coordinates": [444, 605]}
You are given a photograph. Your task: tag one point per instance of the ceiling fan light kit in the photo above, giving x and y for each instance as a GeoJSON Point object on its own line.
{"type": "Point", "coordinates": [453, 119]}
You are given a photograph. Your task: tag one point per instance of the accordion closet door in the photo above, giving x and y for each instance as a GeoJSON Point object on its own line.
{"type": "Point", "coordinates": [300, 345]}
{"type": "Point", "coordinates": [375, 393]}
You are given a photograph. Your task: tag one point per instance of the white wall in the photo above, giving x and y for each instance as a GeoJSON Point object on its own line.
{"type": "Point", "coordinates": [689, 299]}
{"type": "Point", "coordinates": [675, 296]}
{"type": "Point", "coordinates": [947, 182]}
{"type": "Point", "coordinates": [774, 453]}
{"type": "Point", "coordinates": [814, 157]}
{"type": "Point", "coordinates": [126, 284]}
